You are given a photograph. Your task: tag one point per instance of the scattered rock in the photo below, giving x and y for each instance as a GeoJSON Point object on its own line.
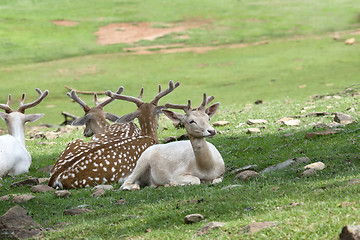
{"type": "Point", "coordinates": [43, 180]}
{"type": "Point", "coordinates": [350, 232]}
{"type": "Point", "coordinates": [291, 122]}
{"type": "Point", "coordinates": [256, 121]}
{"type": "Point", "coordinates": [309, 172]}
{"type": "Point", "coordinates": [193, 218]}
{"type": "Point", "coordinates": [211, 225]}
{"type": "Point", "coordinates": [343, 118]}
{"type": "Point", "coordinates": [45, 169]}
{"type": "Point", "coordinates": [257, 226]}
{"type": "Point", "coordinates": [259, 101]}
{"type": "Point", "coordinates": [253, 130]}
{"type": "Point", "coordinates": [23, 198]}
{"type": "Point", "coordinates": [76, 211]}
{"type": "Point", "coordinates": [288, 134]}
{"type": "Point", "coordinates": [231, 186]}
{"type": "Point", "coordinates": [17, 224]}
{"type": "Point", "coordinates": [221, 123]}
{"type": "Point", "coordinates": [350, 41]}
{"type": "Point", "coordinates": [41, 188]}
{"type": "Point", "coordinates": [293, 204]}
{"type": "Point", "coordinates": [105, 187]}
{"type": "Point", "coordinates": [7, 197]}
{"type": "Point", "coordinates": [121, 201]}
{"type": "Point", "coordinates": [287, 163]}
{"type": "Point", "coordinates": [347, 204]}
{"type": "Point", "coordinates": [27, 182]}
{"type": "Point", "coordinates": [316, 166]}
{"type": "Point", "coordinates": [98, 192]}
{"type": "Point", "coordinates": [310, 135]}
{"type": "Point", "coordinates": [248, 167]}
{"type": "Point", "coordinates": [62, 193]}
{"type": "Point", "coordinates": [247, 175]}
{"type": "Point", "coordinates": [354, 181]}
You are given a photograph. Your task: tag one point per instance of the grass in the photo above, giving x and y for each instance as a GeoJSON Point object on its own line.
{"type": "Point", "coordinates": [300, 60]}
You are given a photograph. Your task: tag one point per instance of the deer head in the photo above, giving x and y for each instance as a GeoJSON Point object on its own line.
{"type": "Point", "coordinates": [94, 118]}
{"type": "Point", "coordinates": [147, 113]}
{"type": "Point", "coordinates": [16, 119]}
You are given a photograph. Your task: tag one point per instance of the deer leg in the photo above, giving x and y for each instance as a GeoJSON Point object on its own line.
{"type": "Point", "coordinates": [185, 180]}
{"type": "Point", "coordinates": [134, 180]}
{"type": "Point", "coordinates": [217, 180]}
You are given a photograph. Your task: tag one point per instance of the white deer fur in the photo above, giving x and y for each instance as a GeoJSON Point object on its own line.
{"type": "Point", "coordinates": [183, 162]}
{"type": "Point", "coordinates": [14, 158]}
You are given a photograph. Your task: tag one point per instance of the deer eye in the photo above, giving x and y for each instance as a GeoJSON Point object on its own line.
{"type": "Point", "coordinates": [192, 122]}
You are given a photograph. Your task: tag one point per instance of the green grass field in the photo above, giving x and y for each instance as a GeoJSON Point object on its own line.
{"type": "Point", "coordinates": [300, 60]}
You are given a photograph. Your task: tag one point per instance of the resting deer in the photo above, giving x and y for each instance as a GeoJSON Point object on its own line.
{"type": "Point", "coordinates": [94, 118]}
{"type": "Point", "coordinates": [14, 158]}
{"type": "Point", "coordinates": [184, 162]}
{"type": "Point", "coordinates": [112, 155]}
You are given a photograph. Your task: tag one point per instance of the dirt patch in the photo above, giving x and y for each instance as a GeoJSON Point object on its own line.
{"type": "Point", "coordinates": [134, 32]}
{"type": "Point", "coordinates": [65, 23]}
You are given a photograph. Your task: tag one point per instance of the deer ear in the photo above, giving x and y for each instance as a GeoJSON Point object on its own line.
{"type": "Point", "coordinates": [128, 117]}
{"type": "Point", "coordinates": [112, 117]}
{"type": "Point", "coordinates": [210, 111]}
{"type": "Point", "coordinates": [80, 121]}
{"type": "Point", "coordinates": [33, 117]}
{"type": "Point", "coordinates": [173, 116]}
{"type": "Point", "coordinates": [3, 115]}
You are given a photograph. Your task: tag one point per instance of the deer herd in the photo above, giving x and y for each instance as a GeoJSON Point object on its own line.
{"type": "Point", "coordinates": [121, 152]}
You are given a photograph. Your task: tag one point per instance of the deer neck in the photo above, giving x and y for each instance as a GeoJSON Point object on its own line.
{"type": "Point", "coordinates": [202, 153]}
{"type": "Point", "coordinates": [17, 130]}
{"type": "Point", "coordinates": [148, 121]}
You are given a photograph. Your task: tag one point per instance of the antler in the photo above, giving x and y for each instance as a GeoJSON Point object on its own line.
{"type": "Point", "coordinates": [6, 106]}
{"type": "Point", "coordinates": [187, 107]}
{"type": "Point", "coordinates": [23, 106]}
{"type": "Point", "coordinates": [171, 87]}
{"type": "Point", "coordinates": [76, 98]}
{"type": "Point", "coordinates": [103, 104]}
{"type": "Point", "coordinates": [135, 100]}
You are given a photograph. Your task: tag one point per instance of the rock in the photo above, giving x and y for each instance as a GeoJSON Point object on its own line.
{"type": "Point", "coordinates": [76, 211]}
{"type": "Point", "coordinates": [27, 182]}
{"type": "Point", "coordinates": [23, 198]}
{"type": "Point", "coordinates": [248, 167]}
{"type": "Point", "coordinates": [288, 134]}
{"type": "Point", "coordinates": [231, 186]}
{"type": "Point", "coordinates": [17, 224]}
{"type": "Point", "coordinates": [7, 197]}
{"type": "Point", "coordinates": [105, 187]}
{"type": "Point", "coordinates": [45, 169]}
{"type": "Point", "coordinates": [287, 163]}
{"type": "Point", "coordinates": [221, 123]}
{"type": "Point", "coordinates": [350, 232]}
{"type": "Point", "coordinates": [193, 218]}
{"type": "Point", "coordinates": [343, 118]}
{"type": "Point", "coordinates": [211, 225]}
{"type": "Point", "coordinates": [259, 101]}
{"type": "Point", "coordinates": [253, 130]}
{"type": "Point", "coordinates": [62, 193]}
{"type": "Point", "coordinates": [354, 181]}
{"type": "Point", "coordinates": [121, 201]}
{"type": "Point", "coordinates": [43, 180]}
{"type": "Point", "coordinates": [292, 122]}
{"type": "Point", "coordinates": [256, 121]}
{"type": "Point", "coordinates": [247, 175]}
{"type": "Point", "coordinates": [350, 41]}
{"type": "Point", "coordinates": [257, 226]}
{"type": "Point", "coordinates": [309, 172]}
{"type": "Point", "coordinates": [41, 188]}
{"type": "Point", "coordinates": [98, 192]}
{"type": "Point", "coordinates": [316, 166]}
{"type": "Point", "coordinates": [310, 135]}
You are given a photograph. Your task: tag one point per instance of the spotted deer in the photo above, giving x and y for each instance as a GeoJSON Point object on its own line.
{"type": "Point", "coordinates": [183, 162]}
{"type": "Point", "coordinates": [95, 117]}
{"type": "Point", "coordinates": [14, 158]}
{"type": "Point", "coordinates": [112, 155]}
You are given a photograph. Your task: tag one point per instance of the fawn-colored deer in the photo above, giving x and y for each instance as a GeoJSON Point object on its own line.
{"type": "Point", "coordinates": [14, 158]}
{"type": "Point", "coordinates": [183, 162]}
{"type": "Point", "coordinates": [112, 155]}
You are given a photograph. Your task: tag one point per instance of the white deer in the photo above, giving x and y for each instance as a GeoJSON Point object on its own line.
{"type": "Point", "coordinates": [184, 162]}
{"type": "Point", "coordinates": [14, 158]}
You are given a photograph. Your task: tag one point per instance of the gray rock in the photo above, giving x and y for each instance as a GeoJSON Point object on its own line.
{"type": "Point", "coordinates": [248, 167]}
{"type": "Point", "coordinates": [41, 188]}
{"type": "Point", "coordinates": [287, 163]}
{"type": "Point", "coordinates": [343, 118]}
{"type": "Point", "coordinates": [105, 187]}
{"type": "Point", "coordinates": [27, 182]}
{"type": "Point", "coordinates": [76, 211]}
{"type": "Point", "coordinates": [316, 166]}
{"type": "Point", "coordinates": [257, 226]}
{"type": "Point", "coordinates": [309, 172]}
{"type": "Point", "coordinates": [98, 192]}
{"type": "Point", "coordinates": [221, 123]}
{"type": "Point", "coordinates": [62, 193]}
{"type": "Point", "coordinates": [256, 121]}
{"type": "Point", "coordinates": [231, 186]}
{"type": "Point", "coordinates": [247, 175]}
{"type": "Point", "coordinates": [193, 218]}
{"type": "Point", "coordinates": [23, 198]}
{"type": "Point", "coordinates": [253, 130]}
{"type": "Point", "coordinates": [291, 122]}
{"type": "Point", "coordinates": [45, 169]}
{"type": "Point", "coordinates": [350, 233]}
{"type": "Point", "coordinates": [354, 181]}
{"type": "Point", "coordinates": [211, 225]}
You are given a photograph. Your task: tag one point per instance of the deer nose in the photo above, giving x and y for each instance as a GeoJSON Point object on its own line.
{"type": "Point", "coordinates": [212, 132]}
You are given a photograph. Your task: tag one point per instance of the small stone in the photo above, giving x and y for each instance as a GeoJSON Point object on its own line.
{"type": "Point", "coordinates": [256, 121]}
{"type": "Point", "coordinates": [350, 232]}
{"type": "Point", "coordinates": [221, 123]}
{"type": "Point", "coordinates": [354, 181]}
{"type": "Point", "coordinates": [98, 192]}
{"type": "Point", "coordinates": [193, 218]}
{"type": "Point", "coordinates": [247, 175]}
{"type": "Point", "coordinates": [231, 186]}
{"type": "Point", "coordinates": [292, 122]}
{"type": "Point", "coordinates": [7, 197]}
{"type": "Point", "coordinates": [45, 169]}
{"type": "Point", "coordinates": [343, 118]}
{"type": "Point", "coordinates": [76, 211]}
{"type": "Point", "coordinates": [309, 172]}
{"type": "Point", "coordinates": [62, 193]}
{"type": "Point", "coordinates": [23, 198]}
{"type": "Point", "coordinates": [105, 187]}
{"type": "Point", "coordinates": [316, 166]}
{"type": "Point", "coordinates": [253, 130]}
{"type": "Point", "coordinates": [257, 226]}
{"type": "Point", "coordinates": [350, 41]}
{"type": "Point", "coordinates": [211, 225]}
{"type": "Point", "coordinates": [27, 182]}
{"type": "Point", "coordinates": [248, 167]}
{"type": "Point", "coordinates": [121, 201]}
{"type": "Point", "coordinates": [288, 134]}
{"type": "Point", "coordinates": [43, 180]}
{"type": "Point", "coordinates": [310, 135]}
{"type": "Point", "coordinates": [41, 188]}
